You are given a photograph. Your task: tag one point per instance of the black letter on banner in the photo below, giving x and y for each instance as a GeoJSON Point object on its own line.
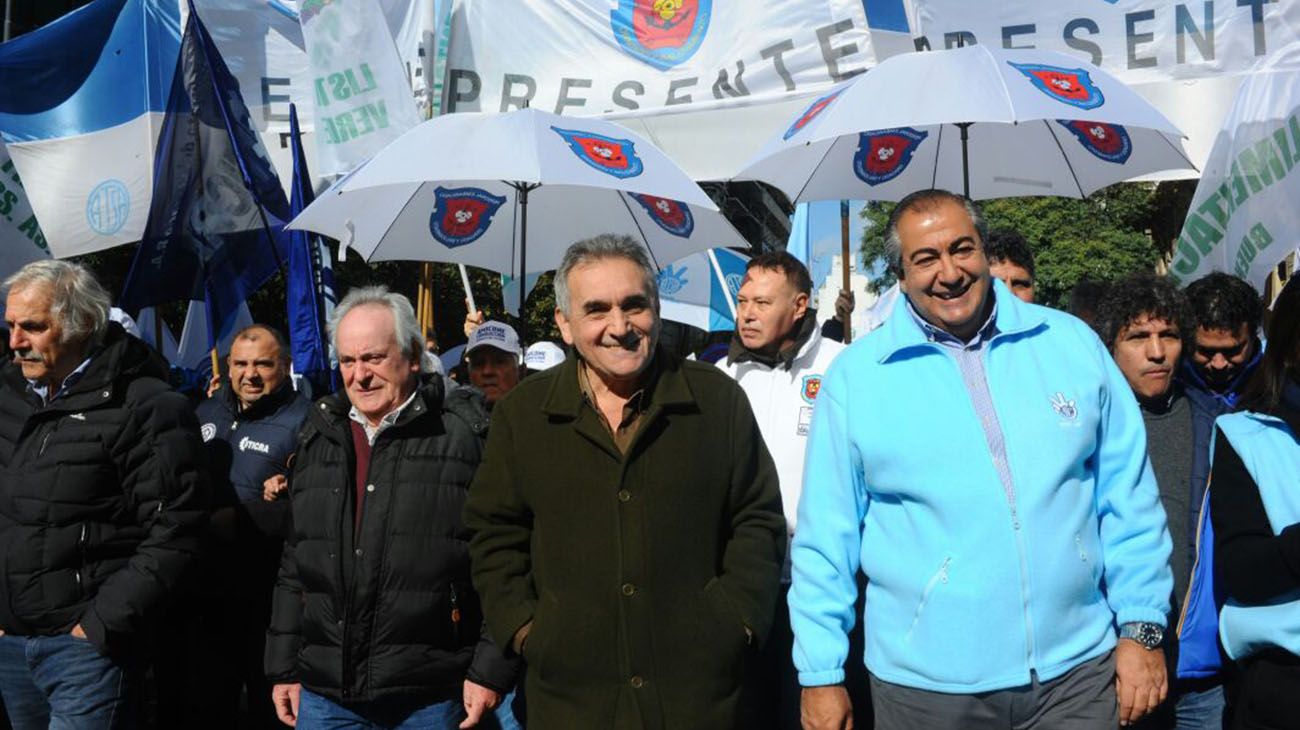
{"type": "Point", "coordinates": [566, 100]}
{"type": "Point", "coordinates": [959, 39]}
{"type": "Point", "coordinates": [1010, 31]}
{"type": "Point", "coordinates": [507, 86]}
{"type": "Point", "coordinates": [621, 99]}
{"type": "Point", "coordinates": [774, 52]}
{"type": "Point", "coordinates": [677, 85]}
{"type": "Point", "coordinates": [1184, 25]}
{"type": "Point", "coordinates": [921, 43]}
{"type": "Point", "coordinates": [456, 96]}
{"type": "Point", "coordinates": [832, 55]}
{"type": "Point", "coordinates": [1257, 20]}
{"type": "Point", "coordinates": [1134, 38]}
{"type": "Point", "coordinates": [1079, 44]}
{"type": "Point", "coordinates": [722, 87]}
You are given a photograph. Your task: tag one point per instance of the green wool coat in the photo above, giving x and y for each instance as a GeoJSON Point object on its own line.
{"type": "Point", "coordinates": [640, 573]}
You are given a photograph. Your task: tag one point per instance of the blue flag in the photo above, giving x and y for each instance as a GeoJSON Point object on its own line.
{"type": "Point", "coordinates": [216, 218]}
{"type": "Point", "coordinates": [309, 283]}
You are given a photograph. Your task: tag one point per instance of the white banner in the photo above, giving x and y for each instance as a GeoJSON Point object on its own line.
{"type": "Point", "coordinates": [719, 68]}
{"type": "Point", "coordinates": [21, 240]}
{"type": "Point", "coordinates": [1244, 218]}
{"type": "Point", "coordinates": [1187, 57]}
{"type": "Point", "coordinates": [362, 99]}
{"type": "Point", "coordinates": [262, 43]}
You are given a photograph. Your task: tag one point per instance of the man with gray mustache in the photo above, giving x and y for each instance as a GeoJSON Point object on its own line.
{"type": "Point", "coordinates": [102, 494]}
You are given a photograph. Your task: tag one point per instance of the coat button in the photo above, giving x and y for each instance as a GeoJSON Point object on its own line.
{"type": "Point", "coordinates": [624, 495]}
{"type": "Point", "coordinates": [357, 552]}
{"type": "Point", "coordinates": [637, 683]}
{"type": "Point", "coordinates": [340, 623]}
{"type": "Point", "coordinates": [370, 487]}
{"type": "Point", "coordinates": [628, 589]}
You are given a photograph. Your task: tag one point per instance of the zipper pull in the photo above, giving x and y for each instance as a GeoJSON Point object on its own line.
{"type": "Point", "coordinates": [455, 615]}
{"type": "Point", "coordinates": [45, 442]}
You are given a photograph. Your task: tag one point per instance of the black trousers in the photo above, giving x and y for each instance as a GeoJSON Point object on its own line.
{"type": "Point", "coordinates": [1268, 692]}
{"type": "Point", "coordinates": [770, 697]}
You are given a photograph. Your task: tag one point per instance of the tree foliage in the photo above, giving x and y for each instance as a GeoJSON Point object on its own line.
{"type": "Point", "coordinates": [1120, 230]}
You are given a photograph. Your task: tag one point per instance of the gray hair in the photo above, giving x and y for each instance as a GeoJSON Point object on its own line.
{"type": "Point", "coordinates": [405, 327]}
{"type": "Point", "coordinates": [78, 302]}
{"type": "Point", "coordinates": [604, 246]}
{"type": "Point", "coordinates": [923, 200]}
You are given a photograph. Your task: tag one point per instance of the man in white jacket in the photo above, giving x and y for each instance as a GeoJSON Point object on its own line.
{"type": "Point", "coordinates": [778, 357]}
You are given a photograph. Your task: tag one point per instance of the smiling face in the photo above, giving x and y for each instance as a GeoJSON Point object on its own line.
{"type": "Point", "coordinates": [767, 308]}
{"type": "Point", "coordinates": [945, 273]}
{"type": "Point", "coordinates": [613, 321]}
{"type": "Point", "coordinates": [1147, 352]}
{"type": "Point", "coordinates": [377, 376]}
{"type": "Point", "coordinates": [36, 336]}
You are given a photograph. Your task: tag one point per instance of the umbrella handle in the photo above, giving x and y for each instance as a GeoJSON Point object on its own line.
{"type": "Point", "coordinates": [469, 291]}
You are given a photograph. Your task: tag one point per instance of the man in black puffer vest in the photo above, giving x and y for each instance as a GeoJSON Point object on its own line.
{"type": "Point", "coordinates": [102, 497]}
{"type": "Point", "coordinates": [375, 622]}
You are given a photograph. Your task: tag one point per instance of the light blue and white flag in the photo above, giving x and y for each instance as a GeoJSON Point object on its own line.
{"type": "Point", "coordinates": [82, 108]}
{"type": "Point", "coordinates": [700, 290]}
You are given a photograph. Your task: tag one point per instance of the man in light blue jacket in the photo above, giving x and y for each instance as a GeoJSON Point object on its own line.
{"type": "Point", "coordinates": [982, 461]}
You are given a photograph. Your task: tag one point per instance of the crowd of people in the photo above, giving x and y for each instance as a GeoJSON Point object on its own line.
{"type": "Point", "coordinates": [984, 514]}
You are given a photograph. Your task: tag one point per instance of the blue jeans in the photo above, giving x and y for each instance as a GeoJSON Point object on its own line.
{"type": "Point", "coordinates": [1200, 710]}
{"type": "Point", "coordinates": [62, 683]}
{"type": "Point", "coordinates": [318, 713]}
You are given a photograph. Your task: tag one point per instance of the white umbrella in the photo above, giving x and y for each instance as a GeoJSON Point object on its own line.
{"type": "Point", "coordinates": [459, 189]}
{"type": "Point", "coordinates": [992, 123]}
{"type": "Point", "coordinates": [700, 290]}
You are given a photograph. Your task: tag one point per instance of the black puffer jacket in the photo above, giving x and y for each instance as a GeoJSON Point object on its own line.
{"type": "Point", "coordinates": [102, 496]}
{"type": "Point", "coordinates": [368, 613]}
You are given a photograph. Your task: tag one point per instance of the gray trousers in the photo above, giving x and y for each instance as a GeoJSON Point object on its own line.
{"type": "Point", "coordinates": [1081, 699]}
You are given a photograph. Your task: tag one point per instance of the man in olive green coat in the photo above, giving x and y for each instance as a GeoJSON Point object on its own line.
{"type": "Point", "coordinates": [628, 525]}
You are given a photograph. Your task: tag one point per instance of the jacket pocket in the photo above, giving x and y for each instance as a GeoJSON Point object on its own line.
{"type": "Point", "coordinates": [940, 577]}
{"type": "Point", "coordinates": [534, 651]}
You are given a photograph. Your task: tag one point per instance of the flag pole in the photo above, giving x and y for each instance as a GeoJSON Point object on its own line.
{"type": "Point", "coordinates": [844, 263]}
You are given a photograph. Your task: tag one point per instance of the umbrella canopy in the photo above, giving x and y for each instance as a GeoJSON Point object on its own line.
{"type": "Point", "coordinates": [459, 188]}
{"type": "Point", "coordinates": [994, 123]}
{"type": "Point", "coordinates": [700, 290]}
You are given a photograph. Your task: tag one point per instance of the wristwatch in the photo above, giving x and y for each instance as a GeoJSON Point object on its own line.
{"type": "Point", "coordinates": [1149, 635]}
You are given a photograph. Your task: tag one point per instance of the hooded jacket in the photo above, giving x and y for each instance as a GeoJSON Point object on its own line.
{"type": "Point", "coordinates": [102, 497]}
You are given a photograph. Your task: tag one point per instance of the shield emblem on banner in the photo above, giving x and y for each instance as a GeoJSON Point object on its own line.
{"type": "Point", "coordinates": [812, 112]}
{"type": "Point", "coordinates": [1072, 86]}
{"type": "Point", "coordinates": [1109, 142]}
{"type": "Point", "coordinates": [611, 156]}
{"type": "Point", "coordinates": [661, 33]}
{"type": "Point", "coordinates": [812, 384]}
{"type": "Point", "coordinates": [883, 155]}
{"type": "Point", "coordinates": [670, 215]}
{"type": "Point", "coordinates": [462, 215]}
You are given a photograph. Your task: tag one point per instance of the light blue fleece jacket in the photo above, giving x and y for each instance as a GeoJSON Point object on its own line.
{"type": "Point", "coordinates": [1271, 455]}
{"type": "Point", "coordinates": [969, 587]}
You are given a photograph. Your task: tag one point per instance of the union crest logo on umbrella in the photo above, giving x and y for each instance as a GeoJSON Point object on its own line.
{"type": "Point", "coordinates": [812, 112]}
{"type": "Point", "coordinates": [1109, 142]}
{"type": "Point", "coordinates": [610, 155]}
{"type": "Point", "coordinates": [1072, 86]}
{"type": "Point", "coordinates": [661, 33]}
{"type": "Point", "coordinates": [670, 215]}
{"type": "Point", "coordinates": [462, 215]}
{"type": "Point", "coordinates": [883, 155]}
